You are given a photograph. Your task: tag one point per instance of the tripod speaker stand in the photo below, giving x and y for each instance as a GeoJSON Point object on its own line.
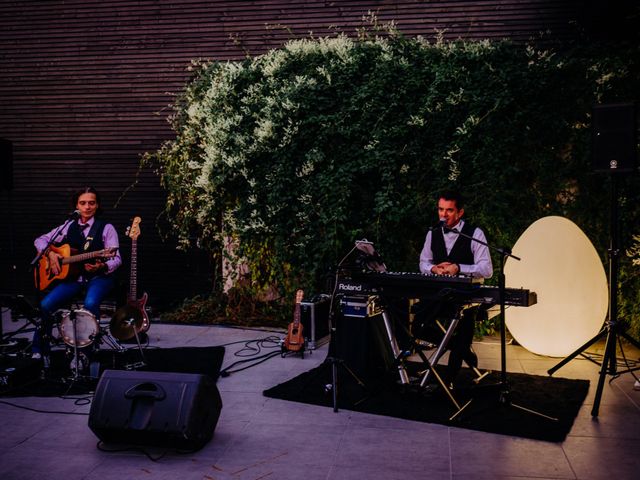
{"type": "Point", "coordinates": [612, 328]}
{"type": "Point", "coordinates": [614, 151]}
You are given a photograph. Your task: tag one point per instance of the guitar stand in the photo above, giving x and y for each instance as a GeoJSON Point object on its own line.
{"type": "Point", "coordinates": [284, 350]}
{"type": "Point", "coordinates": [143, 361]}
{"type": "Point", "coordinates": [104, 336]}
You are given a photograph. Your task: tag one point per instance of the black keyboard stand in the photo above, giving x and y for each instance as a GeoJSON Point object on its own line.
{"type": "Point", "coordinates": [435, 358]}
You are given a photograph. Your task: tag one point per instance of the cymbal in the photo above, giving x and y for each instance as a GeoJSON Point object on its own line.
{"type": "Point", "coordinates": [125, 322]}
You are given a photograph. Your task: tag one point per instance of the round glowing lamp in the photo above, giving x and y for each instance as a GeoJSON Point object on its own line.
{"type": "Point", "coordinates": [562, 266]}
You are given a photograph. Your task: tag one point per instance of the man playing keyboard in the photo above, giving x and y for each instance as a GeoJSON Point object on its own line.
{"type": "Point", "coordinates": [446, 252]}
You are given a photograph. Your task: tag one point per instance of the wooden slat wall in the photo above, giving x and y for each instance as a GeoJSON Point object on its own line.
{"type": "Point", "coordinates": [85, 86]}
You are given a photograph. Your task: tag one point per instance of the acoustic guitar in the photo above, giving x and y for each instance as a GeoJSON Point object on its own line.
{"type": "Point", "coordinates": [133, 232]}
{"type": "Point", "coordinates": [294, 341]}
{"type": "Point", "coordinates": [70, 264]}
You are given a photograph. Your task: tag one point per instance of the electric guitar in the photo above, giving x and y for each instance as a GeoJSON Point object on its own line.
{"type": "Point", "coordinates": [294, 341]}
{"type": "Point", "coordinates": [69, 264]}
{"type": "Point", "coordinates": [133, 232]}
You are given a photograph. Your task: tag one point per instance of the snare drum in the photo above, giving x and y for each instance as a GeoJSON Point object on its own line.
{"type": "Point", "coordinates": [86, 328]}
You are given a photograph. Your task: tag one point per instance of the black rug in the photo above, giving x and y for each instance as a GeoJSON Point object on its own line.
{"type": "Point", "coordinates": [31, 380]}
{"type": "Point", "coordinates": [554, 397]}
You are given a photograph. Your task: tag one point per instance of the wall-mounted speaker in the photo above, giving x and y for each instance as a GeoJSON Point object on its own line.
{"type": "Point", "coordinates": [6, 164]}
{"type": "Point", "coordinates": [614, 137]}
{"type": "Point", "coordinates": [176, 410]}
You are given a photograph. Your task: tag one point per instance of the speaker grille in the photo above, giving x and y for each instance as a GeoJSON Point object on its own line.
{"type": "Point", "coordinates": [614, 137]}
{"type": "Point", "coordinates": [178, 410]}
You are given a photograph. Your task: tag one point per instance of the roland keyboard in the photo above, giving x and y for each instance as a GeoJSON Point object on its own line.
{"type": "Point", "coordinates": [460, 289]}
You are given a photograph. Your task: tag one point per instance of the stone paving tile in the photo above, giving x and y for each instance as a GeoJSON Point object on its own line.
{"type": "Point", "coordinates": [258, 437]}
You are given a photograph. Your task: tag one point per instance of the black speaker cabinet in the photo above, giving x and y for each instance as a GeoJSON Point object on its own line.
{"type": "Point", "coordinates": [6, 164]}
{"type": "Point", "coordinates": [177, 410]}
{"type": "Point", "coordinates": [614, 137]}
{"type": "Point", "coordinates": [362, 344]}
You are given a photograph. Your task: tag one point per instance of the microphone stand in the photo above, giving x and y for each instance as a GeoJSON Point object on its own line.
{"type": "Point", "coordinates": [33, 266]}
{"type": "Point", "coordinates": [504, 397]}
{"type": "Point", "coordinates": [40, 254]}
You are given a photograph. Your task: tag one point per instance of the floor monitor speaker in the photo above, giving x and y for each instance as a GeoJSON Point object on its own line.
{"type": "Point", "coordinates": [177, 410]}
{"type": "Point", "coordinates": [614, 137]}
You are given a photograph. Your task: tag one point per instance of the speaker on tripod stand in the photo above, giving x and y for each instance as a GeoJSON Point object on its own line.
{"type": "Point", "coordinates": [614, 140]}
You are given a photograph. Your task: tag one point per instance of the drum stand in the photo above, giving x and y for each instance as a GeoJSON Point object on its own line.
{"type": "Point", "coordinates": [76, 370]}
{"type": "Point", "coordinates": [103, 336]}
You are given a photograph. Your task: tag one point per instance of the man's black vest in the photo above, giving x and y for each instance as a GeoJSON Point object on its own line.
{"type": "Point", "coordinates": [460, 253]}
{"type": "Point", "coordinates": [93, 242]}
{"type": "Point", "coordinates": [76, 239]}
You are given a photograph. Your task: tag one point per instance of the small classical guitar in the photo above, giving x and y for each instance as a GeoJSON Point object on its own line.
{"type": "Point", "coordinates": [294, 341]}
{"type": "Point", "coordinates": [133, 232]}
{"type": "Point", "coordinates": [70, 264]}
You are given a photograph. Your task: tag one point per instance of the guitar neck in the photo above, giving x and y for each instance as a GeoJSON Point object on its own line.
{"type": "Point", "coordinates": [296, 315]}
{"type": "Point", "coordinates": [133, 282]}
{"type": "Point", "coordinates": [83, 257]}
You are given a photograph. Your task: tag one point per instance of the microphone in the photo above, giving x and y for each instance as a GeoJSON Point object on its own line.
{"type": "Point", "coordinates": [441, 223]}
{"type": "Point", "coordinates": [74, 215]}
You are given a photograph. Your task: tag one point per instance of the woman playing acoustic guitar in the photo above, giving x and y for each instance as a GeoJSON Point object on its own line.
{"type": "Point", "coordinates": [90, 236]}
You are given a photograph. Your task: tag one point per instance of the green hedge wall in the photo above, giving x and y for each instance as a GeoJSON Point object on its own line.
{"type": "Point", "coordinates": [298, 152]}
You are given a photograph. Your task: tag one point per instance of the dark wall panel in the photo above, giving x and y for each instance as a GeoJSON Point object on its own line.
{"type": "Point", "coordinates": [85, 87]}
